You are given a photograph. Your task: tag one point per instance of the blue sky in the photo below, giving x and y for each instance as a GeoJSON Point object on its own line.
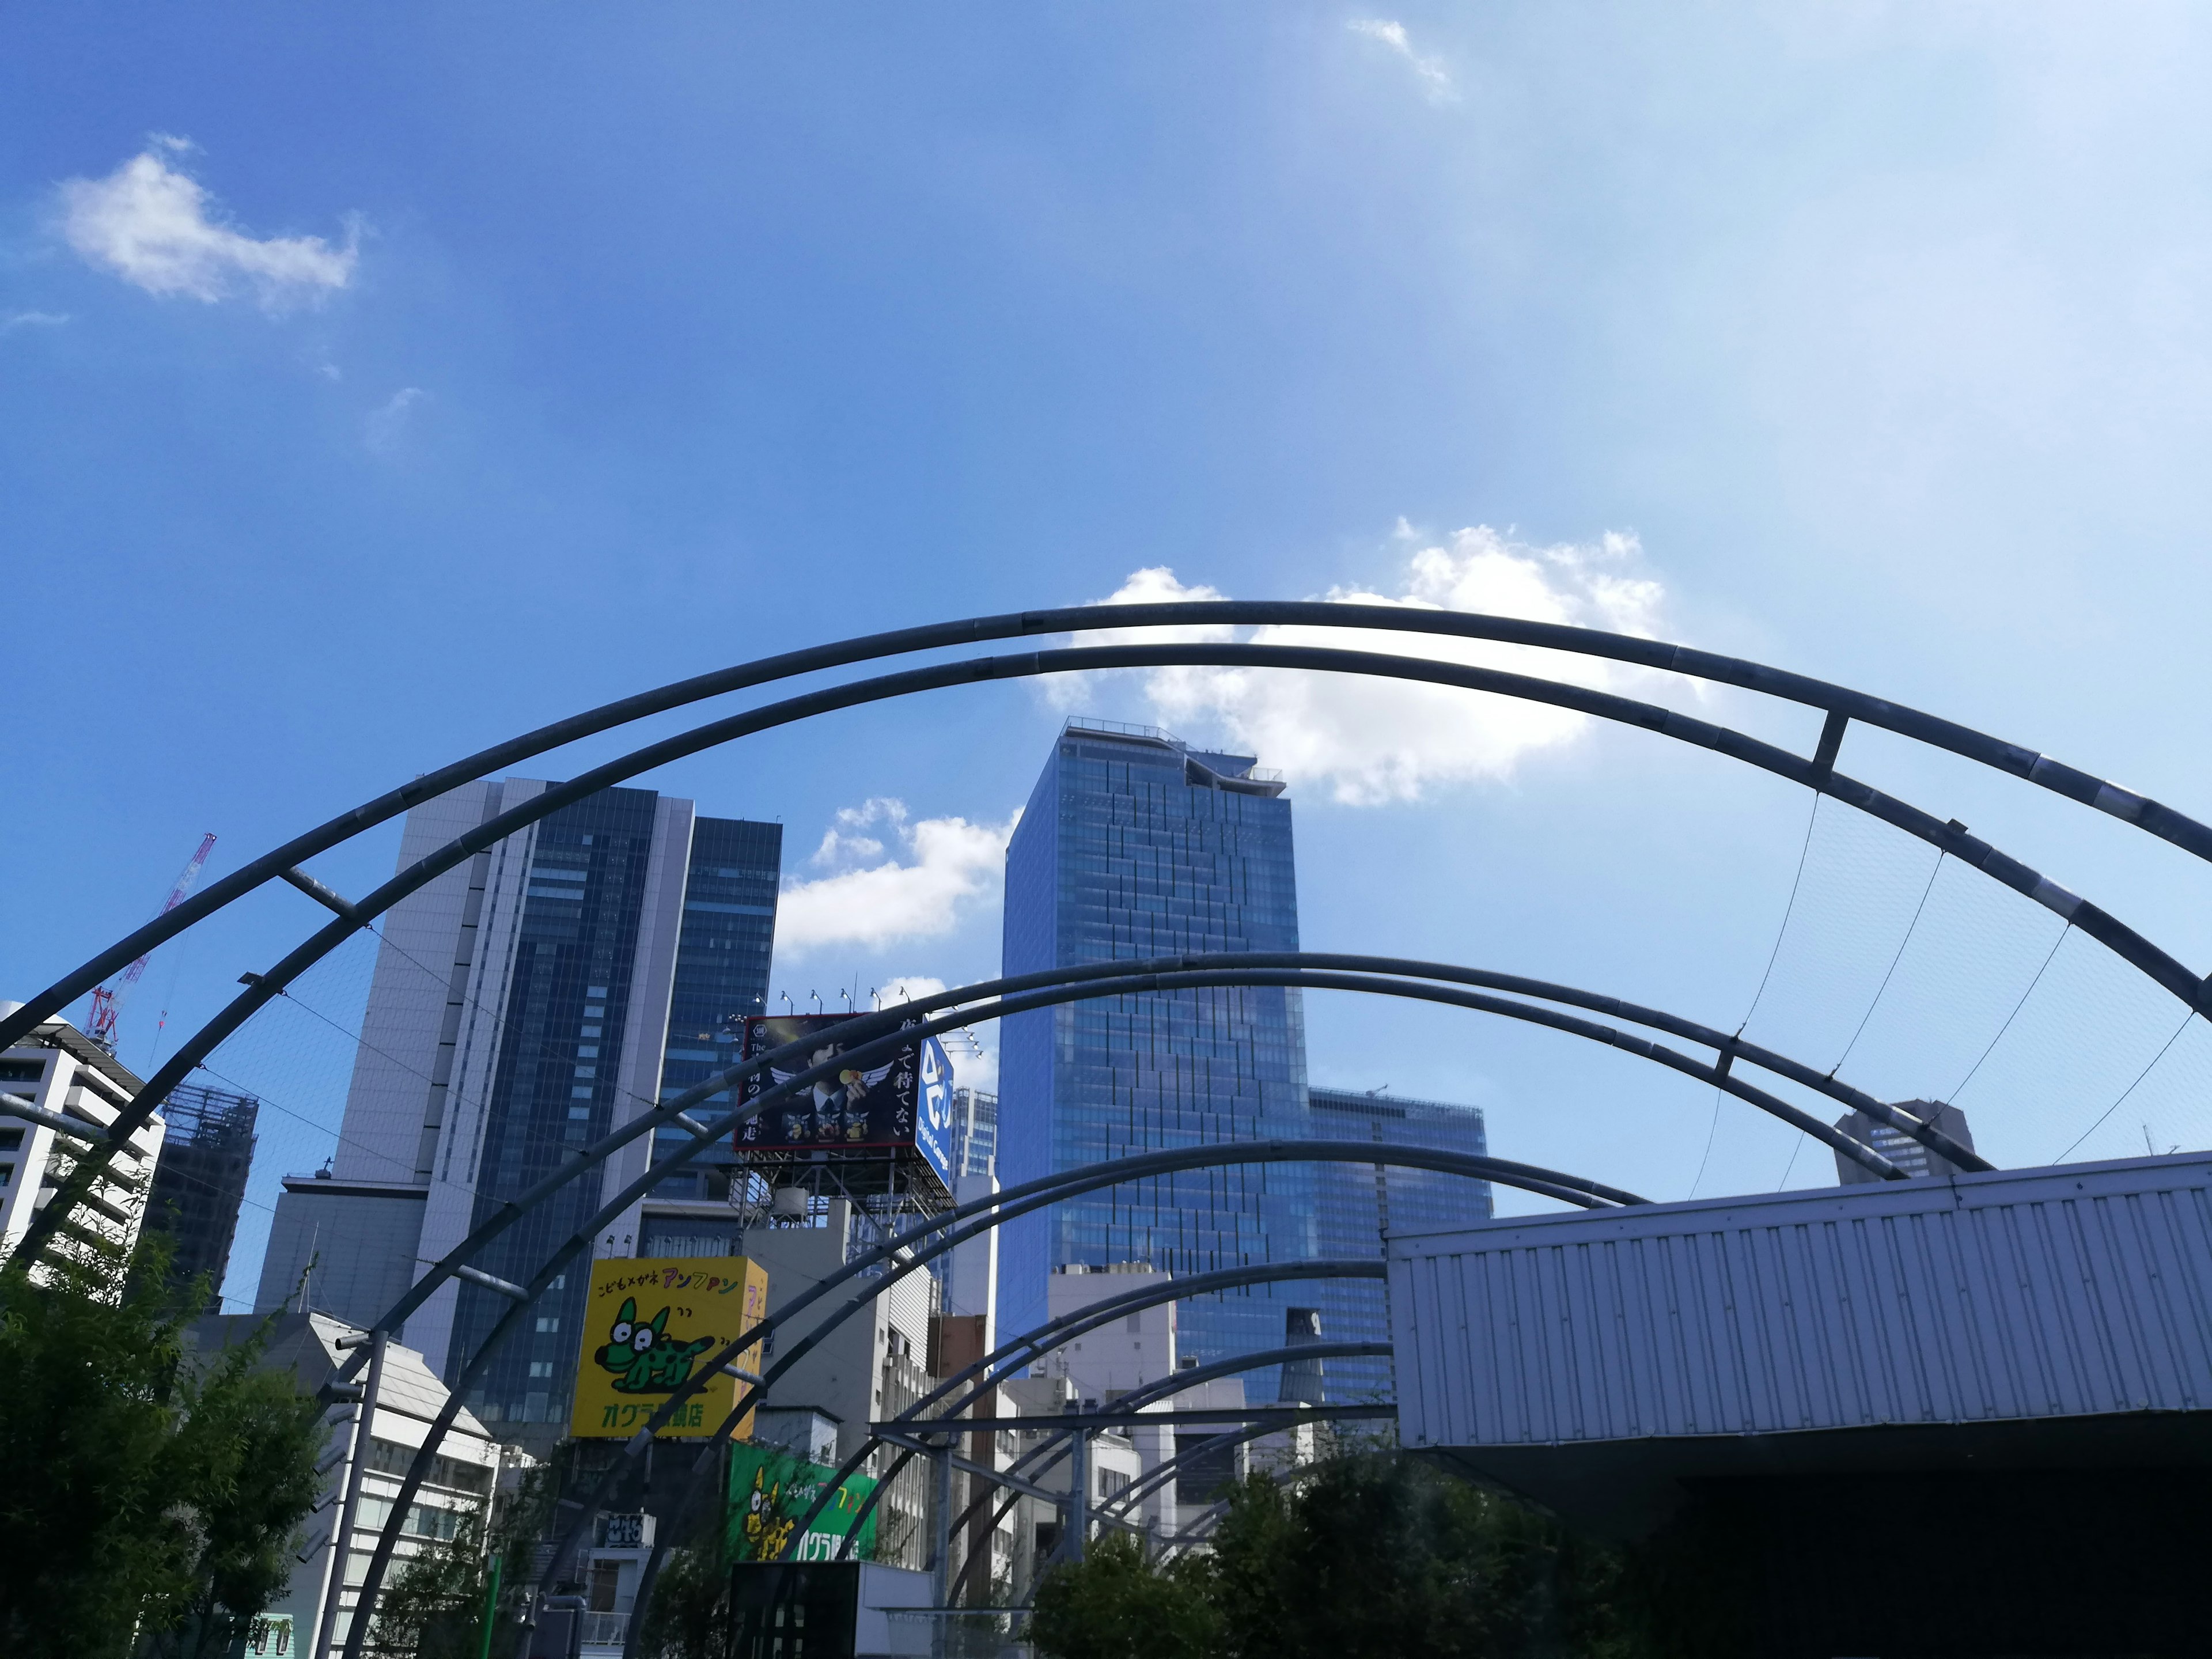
{"type": "Point", "coordinates": [501, 362]}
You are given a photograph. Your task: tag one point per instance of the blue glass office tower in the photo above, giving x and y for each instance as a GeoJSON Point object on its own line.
{"type": "Point", "coordinates": [1357, 1204]}
{"type": "Point", "coordinates": [523, 1005]}
{"type": "Point", "coordinates": [1134, 845]}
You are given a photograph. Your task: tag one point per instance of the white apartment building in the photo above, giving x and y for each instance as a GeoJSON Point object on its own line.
{"type": "Point", "coordinates": [62, 1074]}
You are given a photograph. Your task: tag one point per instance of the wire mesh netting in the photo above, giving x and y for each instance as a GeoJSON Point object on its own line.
{"type": "Point", "coordinates": [1912, 975]}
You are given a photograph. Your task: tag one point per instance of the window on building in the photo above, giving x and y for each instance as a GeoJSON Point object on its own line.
{"type": "Point", "coordinates": [606, 1581]}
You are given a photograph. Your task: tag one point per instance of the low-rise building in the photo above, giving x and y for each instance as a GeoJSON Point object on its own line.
{"type": "Point", "coordinates": [454, 1503]}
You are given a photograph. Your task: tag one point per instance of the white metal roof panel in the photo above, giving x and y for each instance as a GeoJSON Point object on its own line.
{"type": "Point", "coordinates": [2074, 1291]}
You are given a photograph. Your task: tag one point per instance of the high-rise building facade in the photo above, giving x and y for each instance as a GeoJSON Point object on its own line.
{"type": "Point", "coordinates": [200, 1182]}
{"type": "Point", "coordinates": [975, 1133]}
{"type": "Point", "coordinates": [1357, 1204]}
{"type": "Point", "coordinates": [1900, 1148]}
{"type": "Point", "coordinates": [1135, 845]}
{"type": "Point", "coordinates": [524, 1005]}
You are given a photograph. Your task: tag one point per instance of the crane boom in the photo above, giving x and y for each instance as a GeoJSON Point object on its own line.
{"type": "Point", "coordinates": [107, 1001]}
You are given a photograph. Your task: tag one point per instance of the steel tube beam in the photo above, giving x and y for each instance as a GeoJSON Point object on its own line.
{"type": "Point", "coordinates": [1052, 1452]}
{"type": "Point", "coordinates": [1841, 703]}
{"type": "Point", "coordinates": [1100, 987]}
{"type": "Point", "coordinates": [1042, 1339]}
{"type": "Point", "coordinates": [1951, 837]}
{"type": "Point", "coordinates": [673, 1109]}
{"type": "Point", "coordinates": [906, 1254]}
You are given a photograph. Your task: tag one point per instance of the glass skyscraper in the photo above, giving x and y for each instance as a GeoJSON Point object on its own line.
{"type": "Point", "coordinates": [722, 957]}
{"type": "Point", "coordinates": [1134, 845]}
{"type": "Point", "coordinates": [523, 1005]}
{"type": "Point", "coordinates": [1358, 1203]}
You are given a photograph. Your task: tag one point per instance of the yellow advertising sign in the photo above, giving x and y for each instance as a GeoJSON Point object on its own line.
{"type": "Point", "coordinates": [648, 1323]}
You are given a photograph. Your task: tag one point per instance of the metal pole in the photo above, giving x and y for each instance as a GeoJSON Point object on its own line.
{"type": "Point", "coordinates": [490, 1608]}
{"type": "Point", "coordinates": [342, 1539]}
{"type": "Point", "coordinates": [1078, 1495]}
{"type": "Point", "coordinates": [944, 1539]}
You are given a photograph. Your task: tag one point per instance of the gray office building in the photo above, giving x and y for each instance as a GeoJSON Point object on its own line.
{"type": "Point", "coordinates": [1358, 1204]}
{"type": "Point", "coordinates": [524, 1005]}
{"type": "Point", "coordinates": [1900, 1148]}
{"type": "Point", "coordinates": [1136, 845]}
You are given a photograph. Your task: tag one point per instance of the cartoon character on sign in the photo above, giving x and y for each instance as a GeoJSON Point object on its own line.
{"type": "Point", "coordinates": [766, 1531]}
{"type": "Point", "coordinates": [643, 1357]}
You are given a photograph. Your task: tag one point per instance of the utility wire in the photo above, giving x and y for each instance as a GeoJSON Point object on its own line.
{"type": "Point", "coordinates": [1901, 944]}
{"type": "Point", "coordinates": [2130, 1089]}
{"type": "Point", "coordinates": [2048, 959]}
{"type": "Point", "coordinates": [1713, 1134]}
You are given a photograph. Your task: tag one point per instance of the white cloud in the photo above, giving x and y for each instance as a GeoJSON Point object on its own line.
{"type": "Point", "coordinates": [16, 319]}
{"type": "Point", "coordinates": [1371, 741]}
{"type": "Point", "coordinates": [870, 898]}
{"type": "Point", "coordinates": [1435, 80]}
{"type": "Point", "coordinates": [158, 228]}
{"type": "Point", "coordinates": [386, 425]}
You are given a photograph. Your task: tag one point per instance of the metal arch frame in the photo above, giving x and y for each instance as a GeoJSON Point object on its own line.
{"type": "Point", "coordinates": [1549, 1183]}
{"type": "Point", "coordinates": [1818, 773]}
{"type": "Point", "coordinates": [909, 1252]}
{"type": "Point", "coordinates": [1840, 703]}
{"type": "Point", "coordinates": [1025, 1350]}
{"type": "Point", "coordinates": [1094, 985]}
{"type": "Point", "coordinates": [1136, 1399]}
{"type": "Point", "coordinates": [1842, 706]}
{"type": "Point", "coordinates": [1096, 982]}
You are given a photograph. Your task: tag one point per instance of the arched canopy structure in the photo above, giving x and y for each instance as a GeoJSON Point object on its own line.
{"type": "Point", "coordinates": [1040, 1459]}
{"type": "Point", "coordinates": [1817, 772]}
{"type": "Point", "coordinates": [995, 1367]}
{"type": "Point", "coordinates": [1099, 981]}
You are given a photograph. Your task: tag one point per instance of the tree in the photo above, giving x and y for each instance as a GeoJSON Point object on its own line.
{"type": "Point", "coordinates": [1117, 1605]}
{"type": "Point", "coordinates": [434, 1608]}
{"type": "Point", "coordinates": [1372, 1556]}
{"type": "Point", "coordinates": [138, 1493]}
{"type": "Point", "coordinates": [689, 1617]}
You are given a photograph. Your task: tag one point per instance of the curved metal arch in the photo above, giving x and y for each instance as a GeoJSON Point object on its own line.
{"type": "Point", "coordinates": [672, 1111]}
{"type": "Point", "coordinates": [1053, 1449]}
{"type": "Point", "coordinates": [909, 1251]}
{"type": "Point", "coordinates": [1023, 1350]}
{"type": "Point", "coordinates": [1096, 987]}
{"type": "Point", "coordinates": [1841, 703]}
{"type": "Point", "coordinates": [898, 1027]}
{"type": "Point", "coordinates": [1817, 773]}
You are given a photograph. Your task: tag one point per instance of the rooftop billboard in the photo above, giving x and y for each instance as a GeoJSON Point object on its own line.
{"type": "Point", "coordinates": [899, 1104]}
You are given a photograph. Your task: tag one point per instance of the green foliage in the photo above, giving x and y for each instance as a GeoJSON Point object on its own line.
{"type": "Point", "coordinates": [138, 1493]}
{"type": "Point", "coordinates": [689, 1615]}
{"type": "Point", "coordinates": [433, 1606]}
{"type": "Point", "coordinates": [1117, 1605]}
{"type": "Point", "coordinates": [1373, 1556]}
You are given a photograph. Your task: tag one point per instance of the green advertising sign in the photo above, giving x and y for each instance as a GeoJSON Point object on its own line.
{"type": "Point", "coordinates": [771, 1490]}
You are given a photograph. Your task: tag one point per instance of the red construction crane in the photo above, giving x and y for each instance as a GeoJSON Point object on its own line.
{"type": "Point", "coordinates": [107, 1001]}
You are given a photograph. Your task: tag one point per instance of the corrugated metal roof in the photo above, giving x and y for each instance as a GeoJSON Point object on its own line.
{"type": "Point", "coordinates": [2079, 1290]}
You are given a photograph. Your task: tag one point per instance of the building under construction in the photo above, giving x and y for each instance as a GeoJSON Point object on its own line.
{"type": "Point", "coordinates": [200, 1182]}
